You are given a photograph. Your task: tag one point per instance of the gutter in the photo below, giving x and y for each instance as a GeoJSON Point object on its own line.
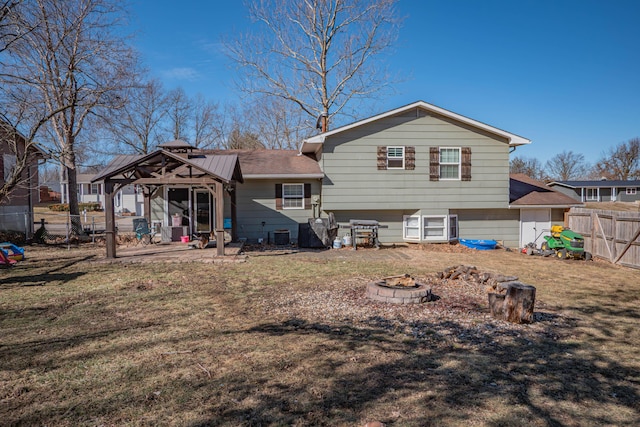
{"type": "Point", "coordinates": [284, 176]}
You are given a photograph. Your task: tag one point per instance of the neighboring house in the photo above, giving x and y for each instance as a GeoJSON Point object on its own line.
{"type": "Point", "coordinates": [600, 191]}
{"type": "Point", "coordinates": [129, 199]}
{"type": "Point", "coordinates": [16, 212]}
{"type": "Point", "coordinates": [540, 207]}
{"type": "Point", "coordinates": [429, 174]}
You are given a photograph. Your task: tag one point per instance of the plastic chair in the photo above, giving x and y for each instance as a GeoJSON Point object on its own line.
{"type": "Point", "coordinates": [144, 234]}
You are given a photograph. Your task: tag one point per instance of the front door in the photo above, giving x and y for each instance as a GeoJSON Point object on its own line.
{"type": "Point", "coordinates": [534, 223]}
{"type": "Point", "coordinates": [202, 210]}
{"type": "Point", "coordinates": [178, 205]}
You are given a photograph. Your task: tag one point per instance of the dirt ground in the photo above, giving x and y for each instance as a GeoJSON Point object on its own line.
{"type": "Point", "coordinates": [288, 337]}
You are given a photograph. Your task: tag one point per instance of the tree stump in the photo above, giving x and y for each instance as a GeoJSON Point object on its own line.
{"type": "Point", "coordinates": [516, 306]}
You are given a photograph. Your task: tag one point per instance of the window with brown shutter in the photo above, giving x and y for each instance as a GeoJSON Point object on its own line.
{"type": "Point", "coordinates": [279, 197]}
{"type": "Point", "coordinates": [396, 157]}
{"type": "Point", "coordinates": [410, 158]}
{"type": "Point", "coordinates": [382, 157]}
{"type": "Point", "coordinates": [466, 164]}
{"type": "Point", "coordinates": [434, 164]}
{"type": "Point", "coordinates": [293, 196]}
{"type": "Point", "coordinates": [450, 163]}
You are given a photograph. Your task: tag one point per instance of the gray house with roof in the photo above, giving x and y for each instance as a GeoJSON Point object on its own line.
{"type": "Point", "coordinates": [427, 174]}
{"type": "Point", "coordinates": [600, 191]}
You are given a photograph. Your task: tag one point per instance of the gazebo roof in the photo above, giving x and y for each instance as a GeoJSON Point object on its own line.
{"type": "Point", "coordinates": [165, 167]}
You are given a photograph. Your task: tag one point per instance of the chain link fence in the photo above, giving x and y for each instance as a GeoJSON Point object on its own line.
{"type": "Point", "coordinates": [59, 227]}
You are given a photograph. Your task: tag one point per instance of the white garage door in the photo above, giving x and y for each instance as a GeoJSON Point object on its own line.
{"type": "Point", "coordinates": [534, 223]}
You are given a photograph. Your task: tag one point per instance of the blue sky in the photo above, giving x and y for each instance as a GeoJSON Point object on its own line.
{"type": "Point", "coordinates": [563, 73]}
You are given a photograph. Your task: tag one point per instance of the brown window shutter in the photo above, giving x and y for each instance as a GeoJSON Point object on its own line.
{"type": "Point", "coordinates": [434, 164]}
{"type": "Point", "coordinates": [382, 157]}
{"type": "Point", "coordinates": [307, 196]}
{"type": "Point", "coordinates": [466, 164]}
{"type": "Point", "coordinates": [410, 158]}
{"type": "Point", "coordinates": [279, 197]}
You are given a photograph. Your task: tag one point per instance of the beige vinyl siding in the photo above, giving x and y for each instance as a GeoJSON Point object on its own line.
{"type": "Point", "coordinates": [352, 181]}
{"type": "Point", "coordinates": [255, 202]}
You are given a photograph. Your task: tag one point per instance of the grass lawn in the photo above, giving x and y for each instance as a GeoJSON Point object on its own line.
{"type": "Point", "coordinates": [289, 339]}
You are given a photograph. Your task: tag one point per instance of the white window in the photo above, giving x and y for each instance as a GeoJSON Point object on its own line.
{"type": "Point", "coordinates": [395, 157]}
{"type": "Point", "coordinates": [9, 161]}
{"type": "Point", "coordinates": [411, 228]}
{"type": "Point", "coordinates": [438, 228]}
{"type": "Point", "coordinates": [631, 191]}
{"type": "Point", "coordinates": [453, 227]}
{"type": "Point", "coordinates": [449, 163]}
{"type": "Point", "coordinates": [95, 189]}
{"type": "Point", "coordinates": [293, 196]}
{"type": "Point", "coordinates": [592, 194]}
{"type": "Point", "coordinates": [434, 228]}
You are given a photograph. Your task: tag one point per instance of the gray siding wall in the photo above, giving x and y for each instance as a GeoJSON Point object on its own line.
{"type": "Point", "coordinates": [624, 197]}
{"type": "Point", "coordinates": [353, 182]}
{"type": "Point", "coordinates": [255, 202]}
{"type": "Point", "coordinates": [575, 193]}
{"type": "Point", "coordinates": [497, 224]}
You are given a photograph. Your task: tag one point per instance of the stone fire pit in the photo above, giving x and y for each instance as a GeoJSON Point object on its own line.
{"type": "Point", "coordinates": [399, 290]}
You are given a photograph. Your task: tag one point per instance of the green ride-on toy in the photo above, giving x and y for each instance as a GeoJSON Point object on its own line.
{"type": "Point", "coordinates": [565, 243]}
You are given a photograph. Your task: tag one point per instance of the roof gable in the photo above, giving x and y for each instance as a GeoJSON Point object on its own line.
{"type": "Point", "coordinates": [224, 167]}
{"type": "Point", "coordinates": [272, 164]}
{"type": "Point", "coordinates": [596, 184]}
{"type": "Point", "coordinates": [313, 144]}
{"type": "Point", "coordinates": [525, 191]}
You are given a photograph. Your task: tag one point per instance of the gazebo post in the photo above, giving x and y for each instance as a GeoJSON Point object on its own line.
{"type": "Point", "coordinates": [110, 223]}
{"type": "Point", "coordinates": [219, 218]}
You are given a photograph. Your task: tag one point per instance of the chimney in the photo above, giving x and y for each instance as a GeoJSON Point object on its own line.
{"type": "Point", "coordinates": [323, 122]}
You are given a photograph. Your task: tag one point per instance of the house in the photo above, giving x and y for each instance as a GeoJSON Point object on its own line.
{"type": "Point", "coordinates": [428, 174]}
{"type": "Point", "coordinates": [600, 191]}
{"type": "Point", "coordinates": [16, 211]}
{"type": "Point", "coordinates": [127, 200]}
{"type": "Point", "coordinates": [540, 207]}
{"type": "Point", "coordinates": [280, 190]}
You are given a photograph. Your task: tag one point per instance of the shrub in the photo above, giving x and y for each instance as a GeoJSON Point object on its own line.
{"type": "Point", "coordinates": [64, 207]}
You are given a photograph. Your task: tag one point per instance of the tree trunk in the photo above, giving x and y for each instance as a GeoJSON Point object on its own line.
{"type": "Point", "coordinates": [516, 306]}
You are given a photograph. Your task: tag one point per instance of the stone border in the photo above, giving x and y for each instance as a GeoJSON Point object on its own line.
{"type": "Point", "coordinates": [377, 292]}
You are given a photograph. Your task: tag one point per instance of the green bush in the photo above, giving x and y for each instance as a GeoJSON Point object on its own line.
{"type": "Point", "coordinates": [59, 207]}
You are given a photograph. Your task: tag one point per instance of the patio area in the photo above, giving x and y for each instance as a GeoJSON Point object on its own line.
{"type": "Point", "coordinates": [177, 252]}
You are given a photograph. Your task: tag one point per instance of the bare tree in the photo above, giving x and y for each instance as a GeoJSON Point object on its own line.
{"type": "Point", "coordinates": [621, 162]}
{"type": "Point", "coordinates": [279, 125]}
{"type": "Point", "coordinates": [179, 113]}
{"type": "Point", "coordinates": [239, 140]}
{"type": "Point", "coordinates": [137, 126]}
{"type": "Point", "coordinates": [12, 26]}
{"type": "Point", "coordinates": [317, 54]}
{"type": "Point", "coordinates": [567, 166]}
{"type": "Point", "coordinates": [73, 64]}
{"type": "Point", "coordinates": [530, 167]}
{"type": "Point", "coordinates": [205, 117]}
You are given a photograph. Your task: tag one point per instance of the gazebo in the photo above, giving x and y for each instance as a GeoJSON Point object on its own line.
{"type": "Point", "coordinates": [174, 164]}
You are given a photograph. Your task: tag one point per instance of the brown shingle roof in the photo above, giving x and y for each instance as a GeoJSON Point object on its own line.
{"type": "Point", "coordinates": [274, 163]}
{"type": "Point", "coordinates": [525, 191]}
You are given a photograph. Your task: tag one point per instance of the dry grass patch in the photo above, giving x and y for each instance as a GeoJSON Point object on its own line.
{"type": "Point", "coordinates": [291, 340]}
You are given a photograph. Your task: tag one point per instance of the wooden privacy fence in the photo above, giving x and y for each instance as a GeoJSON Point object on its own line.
{"type": "Point", "coordinates": [612, 235]}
